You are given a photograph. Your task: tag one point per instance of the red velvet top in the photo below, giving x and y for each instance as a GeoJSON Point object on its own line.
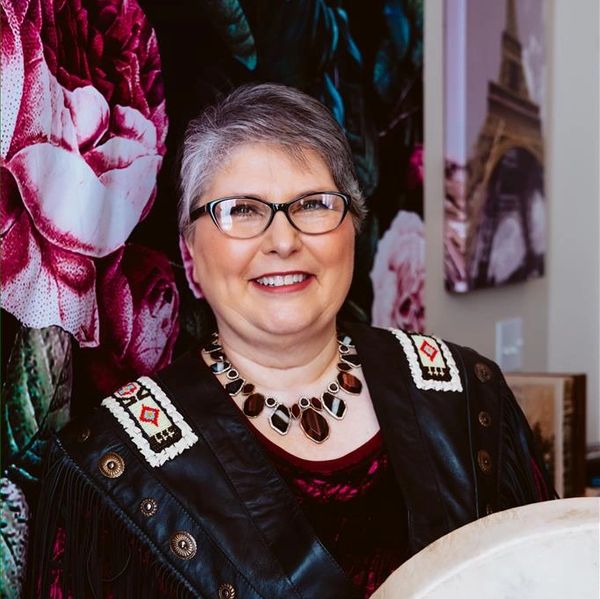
{"type": "Point", "coordinates": [355, 506]}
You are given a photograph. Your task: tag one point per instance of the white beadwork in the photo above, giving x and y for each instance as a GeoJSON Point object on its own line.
{"type": "Point", "coordinates": [454, 384]}
{"type": "Point", "coordinates": [155, 459]}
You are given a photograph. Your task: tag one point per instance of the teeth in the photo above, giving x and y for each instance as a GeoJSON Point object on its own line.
{"type": "Point", "coordinates": [280, 281]}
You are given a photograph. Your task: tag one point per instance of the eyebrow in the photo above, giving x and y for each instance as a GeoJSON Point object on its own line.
{"type": "Point", "coordinates": [260, 196]}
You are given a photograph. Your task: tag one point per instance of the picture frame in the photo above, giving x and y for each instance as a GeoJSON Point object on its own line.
{"type": "Point", "coordinates": [494, 140]}
{"type": "Point", "coordinates": [555, 406]}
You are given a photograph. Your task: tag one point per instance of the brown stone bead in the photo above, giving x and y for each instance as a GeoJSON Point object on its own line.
{"type": "Point", "coordinates": [248, 388]}
{"type": "Point", "coordinates": [296, 411]}
{"type": "Point", "coordinates": [314, 425]}
{"type": "Point", "coordinates": [348, 382]}
{"type": "Point", "coordinates": [254, 404]}
{"type": "Point", "coordinates": [316, 403]}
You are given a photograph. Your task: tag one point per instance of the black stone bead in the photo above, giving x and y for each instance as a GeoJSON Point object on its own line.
{"type": "Point", "coordinates": [234, 387]}
{"type": "Point", "coordinates": [212, 347]}
{"type": "Point", "coordinates": [334, 405]}
{"type": "Point", "coordinates": [280, 419]}
{"type": "Point", "coordinates": [220, 367]}
{"type": "Point", "coordinates": [345, 340]}
{"type": "Point", "coordinates": [351, 359]}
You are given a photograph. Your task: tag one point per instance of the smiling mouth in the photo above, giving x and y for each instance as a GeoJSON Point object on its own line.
{"type": "Point", "coordinates": [282, 280]}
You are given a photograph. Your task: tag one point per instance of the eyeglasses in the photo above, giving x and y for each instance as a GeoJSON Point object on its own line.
{"type": "Point", "coordinates": [244, 217]}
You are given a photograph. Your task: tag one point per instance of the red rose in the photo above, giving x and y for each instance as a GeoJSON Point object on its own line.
{"type": "Point", "coordinates": [82, 138]}
{"type": "Point", "coordinates": [138, 303]}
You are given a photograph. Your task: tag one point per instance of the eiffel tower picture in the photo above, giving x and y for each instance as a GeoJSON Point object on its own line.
{"type": "Point", "coordinates": [495, 205]}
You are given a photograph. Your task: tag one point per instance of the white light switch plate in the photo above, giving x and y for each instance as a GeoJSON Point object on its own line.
{"type": "Point", "coordinates": [509, 344]}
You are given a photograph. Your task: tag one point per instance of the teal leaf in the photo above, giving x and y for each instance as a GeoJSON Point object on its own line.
{"type": "Point", "coordinates": [229, 19]}
{"type": "Point", "coordinates": [37, 390]}
{"type": "Point", "coordinates": [14, 514]}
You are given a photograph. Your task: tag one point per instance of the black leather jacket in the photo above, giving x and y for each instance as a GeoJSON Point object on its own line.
{"type": "Point", "coordinates": [457, 455]}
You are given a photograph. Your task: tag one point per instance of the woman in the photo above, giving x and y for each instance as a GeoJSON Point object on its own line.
{"type": "Point", "coordinates": [291, 455]}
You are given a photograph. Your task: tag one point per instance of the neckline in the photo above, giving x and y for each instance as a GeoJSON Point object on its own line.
{"type": "Point", "coordinates": [318, 466]}
{"type": "Point", "coordinates": [356, 456]}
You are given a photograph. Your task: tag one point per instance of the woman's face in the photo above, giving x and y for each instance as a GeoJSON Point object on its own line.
{"type": "Point", "coordinates": [232, 272]}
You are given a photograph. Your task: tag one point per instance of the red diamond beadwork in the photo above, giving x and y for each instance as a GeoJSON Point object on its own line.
{"type": "Point", "coordinates": [428, 349]}
{"type": "Point", "coordinates": [149, 414]}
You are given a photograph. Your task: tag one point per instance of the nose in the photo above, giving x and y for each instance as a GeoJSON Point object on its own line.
{"type": "Point", "coordinates": [281, 237]}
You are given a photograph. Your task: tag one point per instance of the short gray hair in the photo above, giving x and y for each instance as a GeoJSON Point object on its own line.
{"type": "Point", "coordinates": [264, 113]}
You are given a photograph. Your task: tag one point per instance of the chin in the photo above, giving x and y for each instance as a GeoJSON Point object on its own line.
{"type": "Point", "coordinates": [284, 323]}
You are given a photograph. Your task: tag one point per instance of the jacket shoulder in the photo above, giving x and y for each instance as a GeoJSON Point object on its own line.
{"type": "Point", "coordinates": [142, 414]}
{"type": "Point", "coordinates": [432, 359]}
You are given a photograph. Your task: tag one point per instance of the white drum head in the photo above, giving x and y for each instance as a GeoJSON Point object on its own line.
{"type": "Point", "coordinates": [548, 550]}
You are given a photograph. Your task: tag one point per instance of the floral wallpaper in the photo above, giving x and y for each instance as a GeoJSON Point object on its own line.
{"type": "Point", "coordinates": [95, 98]}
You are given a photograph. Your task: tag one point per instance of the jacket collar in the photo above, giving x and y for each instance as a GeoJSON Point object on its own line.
{"type": "Point", "coordinates": [394, 398]}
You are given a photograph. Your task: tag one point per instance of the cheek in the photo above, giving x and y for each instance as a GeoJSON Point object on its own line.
{"type": "Point", "coordinates": [217, 259]}
{"type": "Point", "coordinates": [339, 255]}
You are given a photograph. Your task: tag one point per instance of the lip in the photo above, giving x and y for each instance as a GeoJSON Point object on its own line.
{"type": "Point", "coordinates": [283, 288]}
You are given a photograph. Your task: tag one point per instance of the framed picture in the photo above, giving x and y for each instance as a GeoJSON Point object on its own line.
{"type": "Point", "coordinates": [554, 405]}
{"type": "Point", "coordinates": [494, 199]}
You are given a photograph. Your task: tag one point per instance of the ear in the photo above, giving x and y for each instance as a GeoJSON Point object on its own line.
{"type": "Point", "coordinates": [186, 248]}
{"type": "Point", "coordinates": [189, 257]}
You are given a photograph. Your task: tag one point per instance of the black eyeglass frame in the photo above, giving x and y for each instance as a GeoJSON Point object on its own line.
{"type": "Point", "coordinates": [209, 208]}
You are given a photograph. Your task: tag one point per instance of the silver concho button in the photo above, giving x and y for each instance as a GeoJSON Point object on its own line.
{"type": "Point", "coordinates": [112, 465]}
{"type": "Point", "coordinates": [484, 461]}
{"type": "Point", "coordinates": [483, 372]}
{"type": "Point", "coordinates": [226, 591]}
{"type": "Point", "coordinates": [183, 545]}
{"type": "Point", "coordinates": [148, 506]}
{"type": "Point", "coordinates": [83, 434]}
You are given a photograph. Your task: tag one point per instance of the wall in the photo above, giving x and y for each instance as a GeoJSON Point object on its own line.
{"type": "Point", "coordinates": [573, 294]}
{"type": "Point", "coordinates": [561, 322]}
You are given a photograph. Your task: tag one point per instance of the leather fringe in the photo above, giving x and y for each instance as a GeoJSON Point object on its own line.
{"type": "Point", "coordinates": [82, 548]}
{"type": "Point", "coordinates": [524, 477]}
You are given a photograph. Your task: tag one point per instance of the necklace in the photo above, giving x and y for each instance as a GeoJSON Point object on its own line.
{"type": "Point", "coordinates": [309, 412]}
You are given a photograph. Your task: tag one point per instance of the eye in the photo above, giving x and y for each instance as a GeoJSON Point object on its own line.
{"type": "Point", "coordinates": [314, 203]}
{"type": "Point", "coordinates": [243, 208]}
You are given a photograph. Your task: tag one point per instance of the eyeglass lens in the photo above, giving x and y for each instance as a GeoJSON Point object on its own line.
{"type": "Point", "coordinates": [246, 217]}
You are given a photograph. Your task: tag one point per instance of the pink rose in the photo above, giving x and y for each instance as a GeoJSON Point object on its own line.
{"type": "Point", "coordinates": [398, 275]}
{"type": "Point", "coordinates": [82, 139]}
{"type": "Point", "coordinates": [139, 306]}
